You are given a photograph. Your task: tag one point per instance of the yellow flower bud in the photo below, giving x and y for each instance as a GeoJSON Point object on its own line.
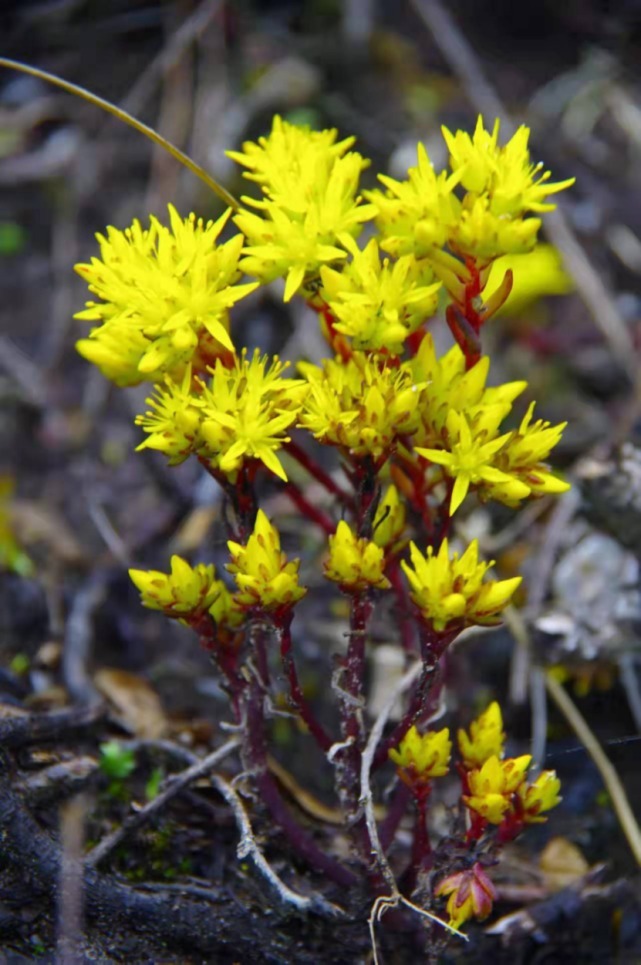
{"type": "Point", "coordinates": [542, 795]}
{"type": "Point", "coordinates": [264, 577]}
{"type": "Point", "coordinates": [356, 564]}
{"type": "Point", "coordinates": [450, 592]}
{"type": "Point", "coordinates": [420, 757]}
{"type": "Point", "coordinates": [486, 738]}
{"type": "Point", "coordinates": [493, 786]}
{"type": "Point", "coordinates": [471, 892]}
{"type": "Point", "coordinates": [187, 592]}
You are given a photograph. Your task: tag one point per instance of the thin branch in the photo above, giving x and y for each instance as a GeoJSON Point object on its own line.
{"type": "Point", "coordinates": [126, 118]}
{"type": "Point", "coordinates": [384, 902]}
{"type": "Point", "coordinates": [23, 729]}
{"type": "Point", "coordinates": [608, 773]}
{"type": "Point", "coordinates": [317, 471]}
{"type": "Point", "coordinates": [313, 513]}
{"type": "Point", "coordinates": [248, 847]}
{"type": "Point", "coordinates": [79, 638]}
{"type": "Point", "coordinates": [175, 785]}
{"type": "Point", "coordinates": [630, 680]}
{"type": "Point", "coordinates": [366, 799]}
{"type": "Point", "coordinates": [298, 698]}
{"type": "Point", "coordinates": [116, 909]}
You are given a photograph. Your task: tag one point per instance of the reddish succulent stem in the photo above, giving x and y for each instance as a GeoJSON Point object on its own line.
{"type": "Point", "coordinates": [312, 512]}
{"type": "Point", "coordinates": [394, 816]}
{"type": "Point", "coordinates": [351, 714]}
{"type": "Point", "coordinates": [296, 692]}
{"type": "Point", "coordinates": [319, 474]}
{"type": "Point", "coordinates": [402, 606]}
{"type": "Point", "coordinates": [256, 753]}
{"type": "Point", "coordinates": [262, 663]}
{"type": "Point", "coordinates": [421, 846]}
{"type": "Point", "coordinates": [414, 712]}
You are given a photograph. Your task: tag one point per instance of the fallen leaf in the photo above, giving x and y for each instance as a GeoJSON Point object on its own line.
{"type": "Point", "coordinates": [561, 864]}
{"type": "Point", "coordinates": [135, 700]}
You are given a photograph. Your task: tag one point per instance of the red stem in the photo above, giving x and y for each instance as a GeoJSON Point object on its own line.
{"type": "Point", "coordinates": [296, 692]}
{"type": "Point", "coordinates": [256, 751]}
{"type": "Point", "coordinates": [414, 712]}
{"type": "Point", "coordinates": [351, 700]}
{"type": "Point", "coordinates": [402, 607]}
{"type": "Point", "coordinates": [312, 513]}
{"type": "Point", "coordinates": [421, 846]}
{"type": "Point", "coordinates": [319, 474]}
{"type": "Point", "coordinates": [394, 816]}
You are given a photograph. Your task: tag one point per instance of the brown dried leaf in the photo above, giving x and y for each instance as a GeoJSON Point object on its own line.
{"type": "Point", "coordinates": [135, 700]}
{"type": "Point", "coordinates": [561, 864]}
{"type": "Point", "coordinates": [34, 523]}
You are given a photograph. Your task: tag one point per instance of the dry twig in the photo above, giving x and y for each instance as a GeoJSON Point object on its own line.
{"type": "Point", "coordinates": [611, 779]}
{"type": "Point", "coordinates": [385, 902]}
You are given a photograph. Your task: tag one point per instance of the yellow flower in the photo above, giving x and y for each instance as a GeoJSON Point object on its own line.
{"type": "Point", "coordinates": [280, 246]}
{"type": "Point", "coordinates": [116, 348]}
{"type": "Point", "coordinates": [358, 405]}
{"type": "Point", "coordinates": [421, 757]}
{"type": "Point", "coordinates": [486, 738]}
{"type": "Point", "coordinates": [378, 305]}
{"type": "Point", "coordinates": [355, 563]}
{"type": "Point", "coordinates": [226, 611]}
{"type": "Point", "coordinates": [291, 160]}
{"type": "Point", "coordinates": [165, 294]}
{"type": "Point", "coordinates": [417, 215]}
{"type": "Point", "coordinates": [447, 386]}
{"type": "Point", "coordinates": [173, 422]}
{"type": "Point", "coordinates": [311, 204]}
{"type": "Point", "coordinates": [523, 457]}
{"type": "Point", "coordinates": [187, 592]}
{"type": "Point", "coordinates": [482, 234]}
{"type": "Point", "coordinates": [471, 892]}
{"type": "Point", "coordinates": [470, 458]}
{"type": "Point", "coordinates": [422, 215]}
{"type": "Point", "coordinates": [451, 592]}
{"type": "Point", "coordinates": [245, 412]}
{"type": "Point", "coordinates": [389, 521]}
{"type": "Point", "coordinates": [493, 786]}
{"type": "Point", "coordinates": [264, 577]}
{"type": "Point", "coordinates": [542, 795]}
{"type": "Point", "coordinates": [513, 184]}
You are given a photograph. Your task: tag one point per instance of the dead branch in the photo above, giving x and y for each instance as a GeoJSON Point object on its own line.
{"type": "Point", "coordinates": [20, 730]}
{"type": "Point", "coordinates": [228, 928]}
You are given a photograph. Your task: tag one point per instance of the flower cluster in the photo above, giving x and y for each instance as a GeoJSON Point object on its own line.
{"type": "Point", "coordinates": [421, 757]}
{"type": "Point", "coordinates": [356, 564]}
{"type": "Point", "coordinates": [241, 414]}
{"type": "Point", "coordinates": [359, 406]}
{"type": "Point", "coordinates": [502, 188]}
{"type": "Point", "coordinates": [497, 790]}
{"type": "Point", "coordinates": [309, 183]}
{"type": "Point", "coordinates": [416, 432]}
{"type": "Point", "coordinates": [266, 580]}
{"type": "Point", "coordinates": [187, 593]}
{"type": "Point", "coordinates": [450, 590]}
{"type": "Point", "coordinates": [165, 295]}
{"type": "Point", "coordinates": [377, 306]}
